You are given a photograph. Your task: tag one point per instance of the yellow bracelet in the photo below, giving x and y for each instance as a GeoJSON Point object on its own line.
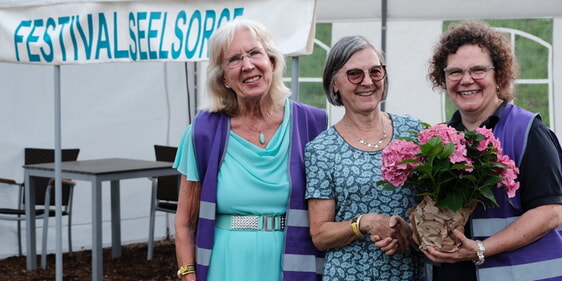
{"type": "Point", "coordinates": [355, 226]}
{"type": "Point", "coordinates": [359, 226]}
{"type": "Point", "coordinates": [185, 270]}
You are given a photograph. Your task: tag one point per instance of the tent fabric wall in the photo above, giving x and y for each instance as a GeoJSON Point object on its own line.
{"type": "Point", "coordinates": [108, 110]}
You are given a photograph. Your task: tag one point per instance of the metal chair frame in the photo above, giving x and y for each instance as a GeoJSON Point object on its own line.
{"type": "Point", "coordinates": [164, 195]}
{"type": "Point", "coordinates": [44, 200]}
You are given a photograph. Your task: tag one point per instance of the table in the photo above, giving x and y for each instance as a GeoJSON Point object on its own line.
{"type": "Point", "coordinates": [96, 171]}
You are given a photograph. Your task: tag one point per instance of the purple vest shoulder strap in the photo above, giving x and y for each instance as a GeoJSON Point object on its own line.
{"type": "Point", "coordinates": [514, 139]}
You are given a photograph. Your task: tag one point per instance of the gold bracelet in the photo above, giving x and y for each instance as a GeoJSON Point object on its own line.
{"type": "Point", "coordinates": [355, 226]}
{"type": "Point", "coordinates": [185, 270]}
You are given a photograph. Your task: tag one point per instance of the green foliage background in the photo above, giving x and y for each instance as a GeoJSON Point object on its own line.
{"type": "Point", "coordinates": [531, 57]}
{"type": "Point", "coordinates": [312, 66]}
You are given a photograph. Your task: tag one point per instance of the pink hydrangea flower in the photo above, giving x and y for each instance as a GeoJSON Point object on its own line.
{"type": "Point", "coordinates": [439, 173]}
{"type": "Point", "coordinates": [447, 134]}
{"type": "Point", "coordinates": [509, 175]}
{"type": "Point", "coordinates": [392, 155]}
{"type": "Point", "coordinates": [489, 138]}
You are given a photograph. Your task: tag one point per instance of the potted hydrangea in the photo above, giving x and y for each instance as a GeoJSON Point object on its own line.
{"type": "Point", "coordinates": [452, 171]}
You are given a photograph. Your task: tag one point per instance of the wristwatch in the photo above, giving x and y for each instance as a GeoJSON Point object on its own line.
{"type": "Point", "coordinates": [185, 270]}
{"type": "Point", "coordinates": [480, 253]}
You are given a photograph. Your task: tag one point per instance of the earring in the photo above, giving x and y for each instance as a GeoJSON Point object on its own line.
{"type": "Point", "coordinates": [336, 95]}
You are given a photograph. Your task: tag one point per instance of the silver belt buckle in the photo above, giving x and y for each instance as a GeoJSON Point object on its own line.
{"type": "Point", "coordinates": [244, 222]}
{"type": "Point", "coordinates": [268, 223]}
{"type": "Point", "coordinates": [273, 223]}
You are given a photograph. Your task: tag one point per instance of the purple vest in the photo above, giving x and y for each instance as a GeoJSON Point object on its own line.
{"type": "Point", "coordinates": [512, 130]}
{"type": "Point", "coordinates": [301, 260]}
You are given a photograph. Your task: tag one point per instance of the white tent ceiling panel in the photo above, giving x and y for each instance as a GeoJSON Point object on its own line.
{"type": "Point", "coordinates": [359, 10]}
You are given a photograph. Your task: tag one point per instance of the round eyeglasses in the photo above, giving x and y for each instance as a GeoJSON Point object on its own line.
{"type": "Point", "coordinates": [355, 76]}
{"type": "Point", "coordinates": [253, 55]}
{"type": "Point", "coordinates": [476, 72]}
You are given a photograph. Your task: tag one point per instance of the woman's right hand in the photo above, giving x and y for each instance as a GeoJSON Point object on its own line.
{"type": "Point", "coordinates": [391, 234]}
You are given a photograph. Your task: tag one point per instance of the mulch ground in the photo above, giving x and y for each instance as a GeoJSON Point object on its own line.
{"type": "Point", "coordinates": [131, 266]}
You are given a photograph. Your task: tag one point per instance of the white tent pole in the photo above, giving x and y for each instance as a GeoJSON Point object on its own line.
{"type": "Point", "coordinates": [58, 171]}
{"type": "Point", "coordinates": [295, 78]}
{"type": "Point", "coordinates": [384, 27]}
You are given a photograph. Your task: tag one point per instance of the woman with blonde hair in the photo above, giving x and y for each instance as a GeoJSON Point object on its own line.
{"type": "Point", "coordinates": [241, 212]}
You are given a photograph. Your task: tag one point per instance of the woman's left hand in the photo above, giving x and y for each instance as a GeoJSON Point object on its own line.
{"type": "Point", "coordinates": [398, 240]}
{"type": "Point", "coordinates": [467, 251]}
{"type": "Point", "coordinates": [388, 245]}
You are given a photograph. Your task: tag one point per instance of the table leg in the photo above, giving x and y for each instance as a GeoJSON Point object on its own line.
{"type": "Point", "coordinates": [97, 246]}
{"type": "Point", "coordinates": [31, 258]}
{"type": "Point", "coordinates": [115, 220]}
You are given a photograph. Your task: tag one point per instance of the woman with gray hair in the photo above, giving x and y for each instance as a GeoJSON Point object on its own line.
{"type": "Point", "coordinates": [241, 212]}
{"type": "Point", "coordinates": [348, 211]}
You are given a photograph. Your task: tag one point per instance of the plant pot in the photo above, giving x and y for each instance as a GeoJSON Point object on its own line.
{"type": "Point", "coordinates": [433, 226]}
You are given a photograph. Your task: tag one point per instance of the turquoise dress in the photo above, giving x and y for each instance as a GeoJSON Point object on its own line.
{"type": "Point", "coordinates": [251, 181]}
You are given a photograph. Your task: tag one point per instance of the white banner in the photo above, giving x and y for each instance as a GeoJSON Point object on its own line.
{"type": "Point", "coordinates": [71, 32]}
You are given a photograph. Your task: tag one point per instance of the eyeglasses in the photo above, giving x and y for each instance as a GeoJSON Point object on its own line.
{"type": "Point", "coordinates": [476, 72]}
{"type": "Point", "coordinates": [253, 55]}
{"type": "Point", "coordinates": [355, 76]}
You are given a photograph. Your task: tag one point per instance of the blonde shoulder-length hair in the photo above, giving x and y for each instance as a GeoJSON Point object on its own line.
{"type": "Point", "coordinates": [223, 98]}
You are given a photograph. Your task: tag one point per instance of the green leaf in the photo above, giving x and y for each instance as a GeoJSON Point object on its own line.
{"type": "Point", "coordinates": [488, 194]}
{"type": "Point", "coordinates": [407, 161]}
{"type": "Point", "coordinates": [432, 148]}
{"type": "Point", "coordinates": [387, 186]}
{"type": "Point", "coordinates": [451, 201]}
{"type": "Point", "coordinates": [441, 165]}
{"type": "Point", "coordinates": [448, 149]}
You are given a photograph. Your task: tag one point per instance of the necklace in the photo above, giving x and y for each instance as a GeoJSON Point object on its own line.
{"type": "Point", "coordinates": [362, 141]}
{"type": "Point", "coordinates": [261, 137]}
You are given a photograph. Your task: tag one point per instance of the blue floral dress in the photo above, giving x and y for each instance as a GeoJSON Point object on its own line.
{"type": "Point", "coordinates": [336, 170]}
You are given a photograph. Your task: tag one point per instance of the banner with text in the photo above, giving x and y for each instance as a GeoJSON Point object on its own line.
{"type": "Point", "coordinates": [70, 32]}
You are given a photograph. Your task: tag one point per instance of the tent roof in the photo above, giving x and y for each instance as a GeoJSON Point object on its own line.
{"type": "Point", "coordinates": [358, 10]}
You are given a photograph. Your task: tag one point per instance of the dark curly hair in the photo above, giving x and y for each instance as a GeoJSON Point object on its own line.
{"type": "Point", "coordinates": [479, 33]}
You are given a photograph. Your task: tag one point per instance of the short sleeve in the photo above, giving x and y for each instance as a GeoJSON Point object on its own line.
{"type": "Point", "coordinates": [318, 165]}
{"type": "Point", "coordinates": [185, 161]}
{"type": "Point", "coordinates": [540, 170]}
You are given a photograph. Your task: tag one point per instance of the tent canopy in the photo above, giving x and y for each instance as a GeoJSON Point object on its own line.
{"type": "Point", "coordinates": [360, 10]}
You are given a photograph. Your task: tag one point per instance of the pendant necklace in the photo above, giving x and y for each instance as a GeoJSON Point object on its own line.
{"type": "Point", "coordinates": [261, 136]}
{"type": "Point", "coordinates": [362, 141]}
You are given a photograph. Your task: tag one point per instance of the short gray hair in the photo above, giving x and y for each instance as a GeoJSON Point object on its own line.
{"type": "Point", "coordinates": [338, 57]}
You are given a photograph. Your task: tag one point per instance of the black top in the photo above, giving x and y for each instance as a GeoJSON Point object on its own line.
{"type": "Point", "coordinates": [540, 178]}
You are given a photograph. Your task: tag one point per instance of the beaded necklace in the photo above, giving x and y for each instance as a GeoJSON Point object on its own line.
{"type": "Point", "coordinates": [363, 141]}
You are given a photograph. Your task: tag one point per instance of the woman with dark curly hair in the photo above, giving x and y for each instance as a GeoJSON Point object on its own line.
{"type": "Point", "coordinates": [474, 63]}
